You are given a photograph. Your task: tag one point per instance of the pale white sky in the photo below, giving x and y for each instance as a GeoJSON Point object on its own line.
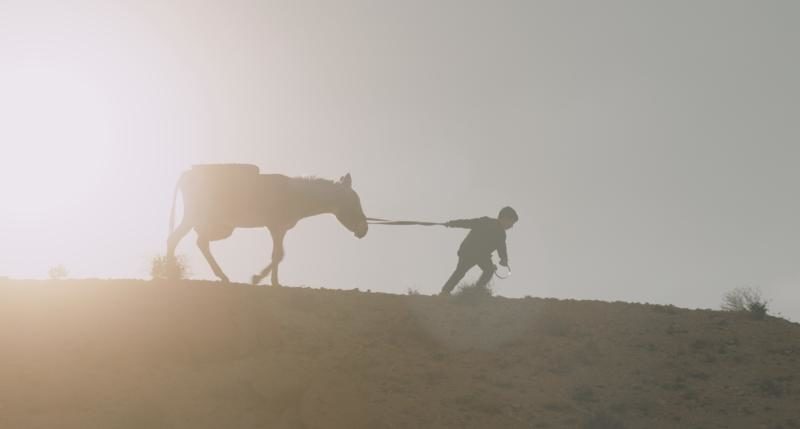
{"type": "Point", "coordinates": [651, 148]}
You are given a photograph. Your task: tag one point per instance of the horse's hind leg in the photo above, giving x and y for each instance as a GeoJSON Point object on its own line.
{"type": "Point", "coordinates": [256, 279]}
{"type": "Point", "coordinates": [175, 237]}
{"type": "Point", "coordinates": [207, 234]}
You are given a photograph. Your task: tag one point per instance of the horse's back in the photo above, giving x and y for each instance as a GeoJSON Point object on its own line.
{"type": "Point", "coordinates": [231, 194]}
{"type": "Point", "coordinates": [218, 180]}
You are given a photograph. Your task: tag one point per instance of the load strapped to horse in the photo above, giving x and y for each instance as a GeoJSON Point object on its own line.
{"type": "Point", "coordinates": [218, 198]}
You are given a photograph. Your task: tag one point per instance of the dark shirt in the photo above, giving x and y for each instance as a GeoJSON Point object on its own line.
{"type": "Point", "coordinates": [486, 235]}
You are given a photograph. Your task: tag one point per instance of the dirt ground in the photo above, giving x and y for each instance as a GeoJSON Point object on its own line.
{"type": "Point", "coordinates": [192, 354]}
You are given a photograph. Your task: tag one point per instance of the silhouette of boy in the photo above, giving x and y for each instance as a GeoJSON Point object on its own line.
{"type": "Point", "coordinates": [485, 236]}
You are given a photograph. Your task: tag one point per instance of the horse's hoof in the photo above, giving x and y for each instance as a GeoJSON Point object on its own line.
{"type": "Point", "coordinates": [255, 280]}
{"type": "Point", "coordinates": [224, 280]}
{"type": "Point", "coordinates": [276, 285]}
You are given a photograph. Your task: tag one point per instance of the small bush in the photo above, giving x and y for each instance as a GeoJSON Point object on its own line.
{"type": "Point", "coordinates": [747, 300]}
{"type": "Point", "coordinates": [473, 293]}
{"type": "Point", "coordinates": [57, 273]}
{"type": "Point", "coordinates": [757, 309]}
{"type": "Point", "coordinates": [166, 268]}
{"type": "Point", "coordinates": [412, 292]}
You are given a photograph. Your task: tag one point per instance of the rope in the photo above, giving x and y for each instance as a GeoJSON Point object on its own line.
{"type": "Point", "coordinates": [377, 221]}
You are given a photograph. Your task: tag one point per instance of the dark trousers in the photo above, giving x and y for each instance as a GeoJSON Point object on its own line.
{"type": "Point", "coordinates": [465, 263]}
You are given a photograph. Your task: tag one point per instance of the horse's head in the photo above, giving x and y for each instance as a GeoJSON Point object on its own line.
{"type": "Point", "coordinates": [348, 209]}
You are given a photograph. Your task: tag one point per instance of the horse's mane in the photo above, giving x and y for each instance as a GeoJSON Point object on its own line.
{"type": "Point", "coordinates": [316, 187]}
{"type": "Point", "coordinates": [312, 178]}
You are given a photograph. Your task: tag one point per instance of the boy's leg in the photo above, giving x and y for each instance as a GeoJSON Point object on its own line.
{"type": "Point", "coordinates": [461, 269]}
{"type": "Point", "coordinates": [488, 268]}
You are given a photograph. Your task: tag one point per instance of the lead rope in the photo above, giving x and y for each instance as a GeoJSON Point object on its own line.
{"type": "Point", "coordinates": [377, 221]}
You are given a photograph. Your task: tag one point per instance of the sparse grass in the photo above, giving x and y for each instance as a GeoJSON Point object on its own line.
{"type": "Point", "coordinates": [776, 387]}
{"type": "Point", "coordinates": [556, 326]}
{"type": "Point", "coordinates": [665, 309]}
{"type": "Point", "coordinates": [745, 299]}
{"type": "Point", "coordinates": [165, 268]}
{"type": "Point", "coordinates": [583, 393]}
{"type": "Point", "coordinates": [701, 344]}
{"type": "Point", "coordinates": [699, 375]}
{"type": "Point", "coordinates": [603, 420]}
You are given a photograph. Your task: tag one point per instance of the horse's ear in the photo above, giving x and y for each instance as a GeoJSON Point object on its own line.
{"type": "Point", "coordinates": [347, 180]}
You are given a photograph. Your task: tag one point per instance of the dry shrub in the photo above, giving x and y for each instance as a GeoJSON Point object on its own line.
{"type": "Point", "coordinates": [58, 272]}
{"type": "Point", "coordinates": [169, 268]}
{"type": "Point", "coordinates": [745, 299]}
{"type": "Point", "coordinates": [473, 293]}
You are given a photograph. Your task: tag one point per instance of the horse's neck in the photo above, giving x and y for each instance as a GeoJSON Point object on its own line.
{"type": "Point", "coordinates": [312, 197]}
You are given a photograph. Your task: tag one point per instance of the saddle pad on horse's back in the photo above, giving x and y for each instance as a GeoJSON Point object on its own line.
{"type": "Point", "coordinates": [220, 180]}
{"type": "Point", "coordinates": [227, 169]}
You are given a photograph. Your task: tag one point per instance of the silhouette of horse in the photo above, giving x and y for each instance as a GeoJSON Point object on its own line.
{"type": "Point", "coordinates": [217, 198]}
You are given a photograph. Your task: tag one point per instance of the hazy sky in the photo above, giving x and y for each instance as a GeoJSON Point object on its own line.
{"type": "Point", "coordinates": [650, 148]}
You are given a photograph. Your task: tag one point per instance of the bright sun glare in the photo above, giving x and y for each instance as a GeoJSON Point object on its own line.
{"type": "Point", "coordinates": [57, 142]}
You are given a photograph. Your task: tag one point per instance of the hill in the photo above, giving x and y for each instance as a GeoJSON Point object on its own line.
{"type": "Point", "coordinates": [193, 354]}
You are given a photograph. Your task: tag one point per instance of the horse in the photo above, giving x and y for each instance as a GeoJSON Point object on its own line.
{"type": "Point", "coordinates": [218, 198]}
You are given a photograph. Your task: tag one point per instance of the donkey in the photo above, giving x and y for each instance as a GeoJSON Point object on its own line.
{"type": "Point", "coordinates": [217, 198]}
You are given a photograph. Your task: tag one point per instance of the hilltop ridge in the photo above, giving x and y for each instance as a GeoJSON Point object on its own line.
{"type": "Point", "coordinates": [134, 354]}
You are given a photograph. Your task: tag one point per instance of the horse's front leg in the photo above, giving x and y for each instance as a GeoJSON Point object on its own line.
{"type": "Point", "coordinates": [277, 257]}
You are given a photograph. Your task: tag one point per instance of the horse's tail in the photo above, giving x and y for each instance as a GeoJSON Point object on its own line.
{"type": "Point", "coordinates": [174, 199]}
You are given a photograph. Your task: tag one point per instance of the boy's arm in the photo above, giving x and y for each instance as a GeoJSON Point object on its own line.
{"type": "Point", "coordinates": [462, 223]}
{"type": "Point", "coordinates": [503, 253]}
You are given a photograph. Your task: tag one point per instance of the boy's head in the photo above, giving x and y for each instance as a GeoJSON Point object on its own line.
{"type": "Point", "coordinates": [507, 217]}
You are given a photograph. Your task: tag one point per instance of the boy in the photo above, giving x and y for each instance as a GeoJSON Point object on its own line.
{"type": "Point", "coordinates": [486, 235]}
